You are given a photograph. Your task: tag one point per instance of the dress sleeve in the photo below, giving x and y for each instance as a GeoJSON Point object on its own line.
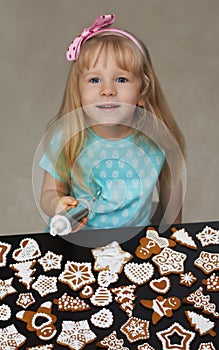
{"type": "Point", "coordinates": [48, 159]}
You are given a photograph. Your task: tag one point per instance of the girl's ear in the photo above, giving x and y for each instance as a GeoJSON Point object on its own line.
{"type": "Point", "coordinates": [140, 102]}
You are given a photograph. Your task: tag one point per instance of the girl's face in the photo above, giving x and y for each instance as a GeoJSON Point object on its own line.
{"type": "Point", "coordinates": [108, 93]}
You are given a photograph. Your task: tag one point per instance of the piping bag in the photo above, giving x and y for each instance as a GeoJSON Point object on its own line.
{"type": "Point", "coordinates": [63, 223]}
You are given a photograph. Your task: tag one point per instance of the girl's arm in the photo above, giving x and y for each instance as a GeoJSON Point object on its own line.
{"type": "Point", "coordinates": [174, 213]}
{"type": "Point", "coordinates": [54, 196]}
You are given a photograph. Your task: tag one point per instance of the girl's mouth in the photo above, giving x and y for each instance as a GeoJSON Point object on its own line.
{"type": "Point", "coordinates": [108, 106]}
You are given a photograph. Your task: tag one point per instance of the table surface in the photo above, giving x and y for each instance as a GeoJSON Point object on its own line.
{"type": "Point", "coordinates": [72, 251]}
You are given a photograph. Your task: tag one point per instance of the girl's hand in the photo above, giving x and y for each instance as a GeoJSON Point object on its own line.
{"type": "Point", "coordinates": [64, 203]}
{"type": "Point", "coordinates": [67, 202]}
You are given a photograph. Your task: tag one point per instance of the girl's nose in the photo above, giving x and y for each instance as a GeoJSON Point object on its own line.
{"type": "Point", "coordinates": [108, 89]}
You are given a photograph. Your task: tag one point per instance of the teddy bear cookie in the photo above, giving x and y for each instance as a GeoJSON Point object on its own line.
{"type": "Point", "coordinates": [161, 307]}
{"type": "Point", "coordinates": [45, 330]}
{"type": "Point", "coordinates": [152, 244]}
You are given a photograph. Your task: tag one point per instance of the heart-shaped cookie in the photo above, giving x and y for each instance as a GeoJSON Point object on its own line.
{"type": "Point", "coordinates": [160, 285]}
{"type": "Point", "coordinates": [29, 249]}
{"type": "Point", "coordinates": [139, 273]}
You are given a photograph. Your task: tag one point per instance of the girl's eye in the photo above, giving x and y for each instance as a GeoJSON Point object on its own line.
{"type": "Point", "coordinates": [94, 80]}
{"type": "Point", "coordinates": [121, 80]}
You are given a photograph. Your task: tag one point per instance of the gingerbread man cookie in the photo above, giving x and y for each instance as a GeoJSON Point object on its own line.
{"type": "Point", "coordinates": [44, 330]}
{"type": "Point", "coordinates": [161, 307]}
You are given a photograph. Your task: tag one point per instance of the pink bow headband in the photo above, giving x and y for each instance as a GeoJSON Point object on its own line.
{"type": "Point", "coordinates": [97, 27]}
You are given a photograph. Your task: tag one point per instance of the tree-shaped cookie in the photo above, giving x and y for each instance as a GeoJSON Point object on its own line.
{"type": "Point", "coordinates": [201, 324]}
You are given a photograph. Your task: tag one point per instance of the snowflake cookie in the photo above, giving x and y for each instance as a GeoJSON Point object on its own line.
{"type": "Point", "coordinates": [207, 262]}
{"type": "Point", "coordinates": [77, 275]}
{"type": "Point", "coordinates": [45, 285]}
{"type": "Point", "coordinates": [206, 346]}
{"type": "Point", "coordinates": [111, 342]}
{"type": "Point", "coordinates": [5, 312]}
{"type": "Point", "coordinates": [135, 329]}
{"type": "Point", "coordinates": [182, 236]}
{"type": "Point", "coordinates": [25, 300]}
{"type": "Point", "coordinates": [187, 279]}
{"type": "Point", "coordinates": [111, 257]}
{"type": "Point", "coordinates": [165, 336]}
{"type": "Point", "coordinates": [29, 250]}
{"type": "Point", "coordinates": [6, 288]}
{"type": "Point", "coordinates": [208, 236]}
{"type": "Point", "coordinates": [10, 338]}
{"type": "Point", "coordinates": [4, 250]}
{"type": "Point", "coordinates": [139, 273]}
{"type": "Point", "coordinates": [69, 303]}
{"type": "Point", "coordinates": [170, 261]}
{"type": "Point", "coordinates": [51, 261]}
{"type": "Point", "coordinates": [201, 324]}
{"type": "Point", "coordinates": [102, 318]}
{"type": "Point", "coordinates": [40, 321]}
{"type": "Point", "coordinates": [76, 334]}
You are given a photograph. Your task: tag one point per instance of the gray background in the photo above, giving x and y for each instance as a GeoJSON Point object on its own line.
{"type": "Point", "coordinates": [182, 37]}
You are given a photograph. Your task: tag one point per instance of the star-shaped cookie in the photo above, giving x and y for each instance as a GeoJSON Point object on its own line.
{"type": "Point", "coordinates": [76, 334]}
{"type": "Point", "coordinates": [176, 329]}
{"type": "Point", "coordinates": [111, 257]}
{"type": "Point", "coordinates": [170, 261]}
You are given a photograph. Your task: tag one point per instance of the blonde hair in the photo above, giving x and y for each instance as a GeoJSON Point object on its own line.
{"type": "Point", "coordinates": [152, 97]}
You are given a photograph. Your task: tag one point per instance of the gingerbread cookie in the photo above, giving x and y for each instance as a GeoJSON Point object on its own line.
{"type": "Point", "coordinates": [6, 288]}
{"type": "Point", "coordinates": [206, 346]}
{"type": "Point", "coordinates": [76, 335]}
{"type": "Point", "coordinates": [112, 342]}
{"type": "Point", "coordinates": [161, 307]}
{"type": "Point", "coordinates": [10, 338]}
{"type": "Point", "coordinates": [102, 318]}
{"type": "Point", "coordinates": [139, 273]}
{"type": "Point", "coordinates": [51, 261]}
{"type": "Point", "coordinates": [4, 250]}
{"type": "Point", "coordinates": [69, 303]}
{"type": "Point", "coordinates": [86, 292]}
{"type": "Point", "coordinates": [25, 300]}
{"type": "Point", "coordinates": [77, 275]}
{"type": "Point", "coordinates": [45, 329]}
{"type": "Point", "coordinates": [201, 301]}
{"type": "Point", "coordinates": [201, 324]}
{"type": "Point", "coordinates": [5, 312]}
{"type": "Point", "coordinates": [165, 336]}
{"type": "Point", "coordinates": [41, 347]}
{"type": "Point", "coordinates": [101, 297]}
{"type": "Point", "coordinates": [25, 271]}
{"type": "Point", "coordinates": [212, 283]}
{"type": "Point", "coordinates": [29, 250]}
{"type": "Point", "coordinates": [45, 285]}
{"type": "Point", "coordinates": [135, 329]}
{"type": "Point", "coordinates": [111, 257]}
{"type": "Point", "coordinates": [145, 346]}
{"type": "Point", "coordinates": [170, 261]}
{"type": "Point", "coordinates": [124, 295]}
{"type": "Point", "coordinates": [207, 262]}
{"type": "Point", "coordinates": [182, 237]}
{"type": "Point", "coordinates": [146, 248]}
{"type": "Point", "coordinates": [208, 236]}
{"type": "Point", "coordinates": [162, 242]}
{"type": "Point", "coordinates": [106, 277]}
{"type": "Point", "coordinates": [187, 279]}
{"type": "Point", "coordinates": [161, 285]}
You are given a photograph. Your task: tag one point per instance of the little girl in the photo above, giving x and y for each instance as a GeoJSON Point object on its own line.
{"type": "Point", "coordinates": [114, 139]}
